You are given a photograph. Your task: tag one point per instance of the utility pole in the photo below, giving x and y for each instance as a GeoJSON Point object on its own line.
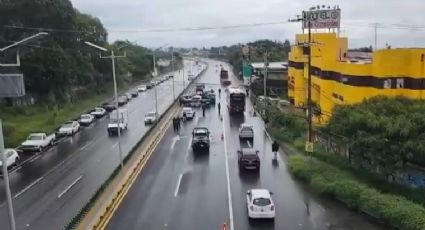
{"type": "Point", "coordinates": [309, 84]}
{"type": "Point", "coordinates": [183, 74]}
{"type": "Point", "coordinates": [6, 181]}
{"type": "Point", "coordinates": [113, 57]}
{"type": "Point", "coordinates": [376, 35]}
{"type": "Point", "coordinates": [266, 64]}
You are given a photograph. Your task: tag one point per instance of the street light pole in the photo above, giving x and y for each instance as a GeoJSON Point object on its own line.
{"type": "Point", "coordinates": [172, 68]}
{"type": "Point", "coordinates": [112, 57]}
{"type": "Point", "coordinates": [116, 106]}
{"type": "Point", "coordinates": [2, 149]}
{"type": "Point", "coordinates": [6, 181]}
{"type": "Point", "coordinates": [156, 94]}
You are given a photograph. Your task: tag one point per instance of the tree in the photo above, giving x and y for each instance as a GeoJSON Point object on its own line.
{"type": "Point", "coordinates": [387, 132]}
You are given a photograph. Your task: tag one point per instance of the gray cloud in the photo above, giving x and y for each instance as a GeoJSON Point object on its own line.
{"type": "Point", "coordinates": [357, 16]}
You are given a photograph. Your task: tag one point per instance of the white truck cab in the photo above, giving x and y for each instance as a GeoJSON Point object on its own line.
{"type": "Point", "coordinates": [118, 119]}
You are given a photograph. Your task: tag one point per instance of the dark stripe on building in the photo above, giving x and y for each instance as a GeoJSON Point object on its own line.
{"type": "Point", "coordinates": [395, 82]}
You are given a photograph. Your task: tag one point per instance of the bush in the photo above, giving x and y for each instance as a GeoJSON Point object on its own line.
{"type": "Point", "coordinates": [391, 209]}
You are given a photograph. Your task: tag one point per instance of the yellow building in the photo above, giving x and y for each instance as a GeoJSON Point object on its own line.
{"type": "Point", "coordinates": [339, 79]}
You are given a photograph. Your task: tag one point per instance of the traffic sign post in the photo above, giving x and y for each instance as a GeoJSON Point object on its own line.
{"type": "Point", "coordinates": [309, 147]}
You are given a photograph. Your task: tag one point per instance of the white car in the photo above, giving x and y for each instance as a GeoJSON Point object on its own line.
{"type": "Point", "coordinates": [98, 112]}
{"type": "Point", "coordinates": [190, 114]}
{"type": "Point", "coordinates": [142, 88]}
{"type": "Point", "coordinates": [38, 141]}
{"type": "Point", "coordinates": [196, 101]}
{"type": "Point", "coordinates": [86, 119]}
{"type": "Point", "coordinates": [246, 131]}
{"type": "Point", "coordinates": [151, 118]}
{"type": "Point", "coordinates": [68, 128]}
{"type": "Point", "coordinates": [12, 158]}
{"type": "Point", "coordinates": [260, 204]}
{"type": "Point", "coordinates": [129, 96]}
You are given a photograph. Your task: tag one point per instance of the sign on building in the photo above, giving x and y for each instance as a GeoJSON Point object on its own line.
{"type": "Point", "coordinates": [322, 19]}
{"type": "Point", "coordinates": [12, 85]}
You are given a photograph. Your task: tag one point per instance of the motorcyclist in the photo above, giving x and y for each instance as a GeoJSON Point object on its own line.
{"type": "Point", "coordinates": [275, 149]}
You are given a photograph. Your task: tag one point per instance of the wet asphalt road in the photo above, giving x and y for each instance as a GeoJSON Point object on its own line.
{"type": "Point", "coordinates": [181, 190]}
{"type": "Point", "coordinates": [50, 189]}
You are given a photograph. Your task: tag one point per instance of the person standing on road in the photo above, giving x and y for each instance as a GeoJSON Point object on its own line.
{"type": "Point", "coordinates": [219, 92]}
{"type": "Point", "coordinates": [174, 124]}
{"type": "Point", "coordinates": [275, 149]}
{"type": "Point", "coordinates": [177, 123]}
{"type": "Point", "coordinates": [203, 109]}
{"type": "Point", "coordinates": [218, 105]}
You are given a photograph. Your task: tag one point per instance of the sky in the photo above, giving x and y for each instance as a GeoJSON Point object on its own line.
{"type": "Point", "coordinates": [137, 20]}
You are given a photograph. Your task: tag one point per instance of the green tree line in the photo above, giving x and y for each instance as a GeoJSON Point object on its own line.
{"type": "Point", "coordinates": [59, 65]}
{"type": "Point", "coordinates": [385, 133]}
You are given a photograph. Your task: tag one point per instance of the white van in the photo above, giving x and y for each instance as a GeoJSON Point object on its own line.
{"type": "Point", "coordinates": [117, 119]}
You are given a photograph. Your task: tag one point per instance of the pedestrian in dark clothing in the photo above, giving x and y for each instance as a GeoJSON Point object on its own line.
{"type": "Point", "coordinates": [174, 124]}
{"type": "Point", "coordinates": [177, 123]}
{"type": "Point", "coordinates": [218, 108]}
{"type": "Point", "coordinates": [203, 109]}
{"type": "Point", "coordinates": [275, 148]}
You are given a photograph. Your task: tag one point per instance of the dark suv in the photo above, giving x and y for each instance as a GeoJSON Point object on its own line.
{"type": "Point", "coordinates": [248, 159]}
{"type": "Point", "coordinates": [200, 139]}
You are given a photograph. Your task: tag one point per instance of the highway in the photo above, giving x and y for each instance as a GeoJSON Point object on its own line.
{"type": "Point", "coordinates": [53, 186]}
{"type": "Point", "coordinates": [181, 190]}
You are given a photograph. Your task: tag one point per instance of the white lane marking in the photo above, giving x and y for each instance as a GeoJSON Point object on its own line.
{"type": "Point", "coordinates": [115, 145]}
{"type": "Point", "coordinates": [189, 144]}
{"type": "Point", "coordinates": [28, 187]}
{"type": "Point", "coordinates": [35, 158]}
{"type": "Point", "coordinates": [178, 185]}
{"type": "Point", "coordinates": [229, 192]}
{"type": "Point", "coordinates": [175, 139]}
{"type": "Point", "coordinates": [321, 207]}
{"type": "Point", "coordinates": [86, 145]}
{"type": "Point", "coordinates": [69, 186]}
{"type": "Point", "coordinates": [249, 144]}
{"type": "Point", "coordinates": [267, 134]}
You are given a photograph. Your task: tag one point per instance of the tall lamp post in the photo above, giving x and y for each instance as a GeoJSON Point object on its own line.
{"type": "Point", "coordinates": [155, 73]}
{"type": "Point", "coordinates": [2, 149]}
{"type": "Point", "coordinates": [112, 57]}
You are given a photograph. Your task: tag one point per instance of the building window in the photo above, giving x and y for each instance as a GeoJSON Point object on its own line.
{"type": "Point", "coordinates": [387, 84]}
{"type": "Point", "coordinates": [400, 83]}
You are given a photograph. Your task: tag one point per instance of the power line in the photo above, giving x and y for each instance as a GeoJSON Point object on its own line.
{"type": "Point", "coordinates": [158, 30]}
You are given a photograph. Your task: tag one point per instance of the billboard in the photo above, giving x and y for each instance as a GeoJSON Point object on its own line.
{"type": "Point", "coordinates": [12, 85]}
{"type": "Point", "coordinates": [322, 19]}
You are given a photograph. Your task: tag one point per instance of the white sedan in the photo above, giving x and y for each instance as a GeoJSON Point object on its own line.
{"type": "Point", "coordinates": [190, 114]}
{"type": "Point", "coordinates": [98, 112]}
{"type": "Point", "coordinates": [86, 119]}
{"type": "Point", "coordinates": [142, 88]}
{"type": "Point", "coordinates": [69, 128]}
{"type": "Point", "coordinates": [260, 204]}
{"type": "Point", "coordinates": [151, 118]}
{"type": "Point", "coordinates": [12, 158]}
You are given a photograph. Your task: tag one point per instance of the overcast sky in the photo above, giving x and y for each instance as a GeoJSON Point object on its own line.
{"type": "Point", "coordinates": [135, 19]}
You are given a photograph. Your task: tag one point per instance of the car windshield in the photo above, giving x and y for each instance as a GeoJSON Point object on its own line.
{"type": "Point", "coordinates": [35, 137]}
{"type": "Point", "coordinates": [151, 114]}
{"type": "Point", "coordinates": [261, 201]}
{"type": "Point", "coordinates": [85, 116]}
{"type": "Point", "coordinates": [67, 125]}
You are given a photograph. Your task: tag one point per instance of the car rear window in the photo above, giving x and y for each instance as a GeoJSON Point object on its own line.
{"type": "Point", "coordinates": [262, 201]}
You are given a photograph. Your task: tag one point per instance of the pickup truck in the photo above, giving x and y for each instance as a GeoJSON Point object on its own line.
{"type": "Point", "coordinates": [38, 141]}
